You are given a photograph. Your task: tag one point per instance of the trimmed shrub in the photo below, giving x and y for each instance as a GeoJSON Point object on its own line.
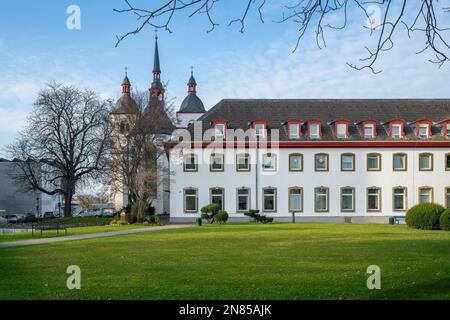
{"type": "Point", "coordinates": [221, 216]}
{"type": "Point", "coordinates": [209, 211]}
{"type": "Point", "coordinates": [254, 214]}
{"type": "Point", "coordinates": [424, 216]}
{"type": "Point", "coordinates": [444, 220]}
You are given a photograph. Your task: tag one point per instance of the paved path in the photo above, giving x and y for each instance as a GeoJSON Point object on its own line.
{"type": "Point", "coordinates": [89, 236]}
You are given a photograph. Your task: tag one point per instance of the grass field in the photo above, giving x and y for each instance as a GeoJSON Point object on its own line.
{"type": "Point", "coordinates": [70, 232]}
{"type": "Point", "coordinates": [237, 261]}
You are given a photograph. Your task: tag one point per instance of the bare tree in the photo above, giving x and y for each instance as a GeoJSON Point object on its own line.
{"type": "Point", "coordinates": [65, 142]}
{"type": "Point", "coordinates": [424, 17]}
{"type": "Point", "coordinates": [137, 151]}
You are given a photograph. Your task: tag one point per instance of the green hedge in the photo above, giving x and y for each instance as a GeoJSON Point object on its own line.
{"type": "Point", "coordinates": [444, 221]}
{"type": "Point", "coordinates": [221, 216]}
{"type": "Point", "coordinates": [424, 216]}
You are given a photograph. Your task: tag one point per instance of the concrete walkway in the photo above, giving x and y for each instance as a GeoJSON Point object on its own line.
{"type": "Point", "coordinates": [32, 242]}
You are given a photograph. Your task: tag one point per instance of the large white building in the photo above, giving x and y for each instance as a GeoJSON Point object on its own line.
{"type": "Point", "coordinates": [320, 160]}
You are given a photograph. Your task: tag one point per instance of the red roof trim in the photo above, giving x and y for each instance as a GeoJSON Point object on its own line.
{"type": "Point", "coordinates": [321, 144]}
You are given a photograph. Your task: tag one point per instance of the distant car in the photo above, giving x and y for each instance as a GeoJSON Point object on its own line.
{"type": "Point", "coordinates": [12, 218]}
{"type": "Point", "coordinates": [29, 218]}
{"type": "Point", "coordinates": [90, 213]}
{"type": "Point", "coordinates": [48, 215]}
{"type": "Point", "coordinates": [109, 213]}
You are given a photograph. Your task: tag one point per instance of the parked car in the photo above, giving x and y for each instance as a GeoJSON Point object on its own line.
{"type": "Point", "coordinates": [109, 213]}
{"type": "Point", "coordinates": [48, 215]}
{"type": "Point", "coordinates": [90, 213]}
{"type": "Point", "coordinates": [3, 220]}
{"type": "Point", "coordinates": [12, 218]}
{"type": "Point", "coordinates": [29, 218]}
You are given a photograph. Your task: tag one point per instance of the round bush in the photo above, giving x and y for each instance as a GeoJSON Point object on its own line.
{"type": "Point", "coordinates": [424, 216]}
{"type": "Point", "coordinates": [444, 221]}
{"type": "Point", "coordinates": [221, 216]}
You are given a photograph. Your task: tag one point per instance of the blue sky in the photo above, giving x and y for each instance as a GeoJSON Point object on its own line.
{"type": "Point", "coordinates": [36, 48]}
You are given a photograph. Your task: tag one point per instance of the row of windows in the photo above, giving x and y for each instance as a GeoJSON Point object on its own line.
{"type": "Point", "coordinates": [314, 129]}
{"type": "Point", "coordinates": [321, 162]}
{"type": "Point", "coordinates": [321, 199]}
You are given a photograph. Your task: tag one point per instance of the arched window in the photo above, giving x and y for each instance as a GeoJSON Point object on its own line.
{"type": "Point", "coordinates": [295, 162]}
{"type": "Point", "coordinates": [373, 199]}
{"type": "Point", "coordinates": [348, 162]}
{"type": "Point", "coordinates": [426, 162]}
{"type": "Point", "coordinates": [321, 162]}
{"type": "Point", "coordinates": [399, 162]}
{"type": "Point", "coordinates": [425, 194]}
{"type": "Point", "coordinates": [373, 162]}
{"type": "Point", "coordinates": [399, 198]}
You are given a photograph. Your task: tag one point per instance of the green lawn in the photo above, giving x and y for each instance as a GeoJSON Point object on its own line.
{"type": "Point", "coordinates": [237, 261]}
{"type": "Point", "coordinates": [70, 232]}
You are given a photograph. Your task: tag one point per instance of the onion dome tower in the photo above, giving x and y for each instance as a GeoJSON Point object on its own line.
{"type": "Point", "coordinates": [126, 104]}
{"type": "Point", "coordinates": [192, 107]}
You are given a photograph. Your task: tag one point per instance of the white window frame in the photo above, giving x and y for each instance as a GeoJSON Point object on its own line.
{"type": "Point", "coordinates": [404, 194]}
{"type": "Point", "coordinates": [398, 126]}
{"type": "Point", "coordinates": [300, 199]}
{"type": "Point", "coordinates": [222, 196]}
{"type": "Point", "coordinates": [300, 156]}
{"type": "Point", "coordinates": [427, 130]}
{"type": "Point", "coordinates": [192, 156]}
{"type": "Point", "coordinates": [247, 196]}
{"type": "Point", "coordinates": [220, 133]}
{"type": "Point", "coordinates": [448, 130]}
{"type": "Point", "coordinates": [377, 194]}
{"type": "Point", "coordinates": [353, 157]}
{"type": "Point", "coordinates": [405, 161]}
{"type": "Point", "coordinates": [378, 157]}
{"type": "Point", "coordinates": [431, 160]}
{"type": "Point", "coordinates": [260, 132]}
{"type": "Point", "coordinates": [274, 161]}
{"type": "Point", "coordinates": [367, 127]}
{"type": "Point", "coordinates": [272, 195]}
{"type": "Point", "coordinates": [339, 128]}
{"type": "Point", "coordinates": [352, 194]}
{"type": "Point", "coordinates": [426, 188]}
{"type": "Point", "coordinates": [220, 156]}
{"type": "Point", "coordinates": [296, 135]}
{"type": "Point", "coordinates": [241, 156]}
{"type": "Point", "coordinates": [327, 162]}
{"type": "Point", "coordinates": [195, 196]}
{"type": "Point", "coordinates": [314, 130]}
{"type": "Point", "coordinates": [326, 194]}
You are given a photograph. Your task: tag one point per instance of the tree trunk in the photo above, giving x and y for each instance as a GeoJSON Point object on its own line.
{"type": "Point", "coordinates": [68, 204]}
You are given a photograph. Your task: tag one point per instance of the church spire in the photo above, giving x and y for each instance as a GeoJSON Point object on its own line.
{"type": "Point", "coordinates": [126, 85]}
{"type": "Point", "coordinates": [157, 89]}
{"type": "Point", "coordinates": [192, 84]}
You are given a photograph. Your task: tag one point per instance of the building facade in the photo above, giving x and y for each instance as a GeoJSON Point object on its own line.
{"type": "Point", "coordinates": [321, 160]}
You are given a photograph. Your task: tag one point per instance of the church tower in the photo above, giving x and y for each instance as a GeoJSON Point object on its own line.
{"type": "Point", "coordinates": [192, 107]}
{"type": "Point", "coordinates": [123, 117]}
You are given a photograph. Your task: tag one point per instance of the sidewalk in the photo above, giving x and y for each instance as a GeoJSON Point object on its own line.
{"type": "Point", "coordinates": [23, 243]}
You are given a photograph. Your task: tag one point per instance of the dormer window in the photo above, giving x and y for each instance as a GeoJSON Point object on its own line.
{"type": "Point", "coordinates": [369, 129]}
{"type": "Point", "coordinates": [220, 129]}
{"type": "Point", "coordinates": [314, 129]}
{"type": "Point", "coordinates": [396, 129]}
{"type": "Point", "coordinates": [423, 128]}
{"type": "Point", "coordinates": [260, 127]}
{"type": "Point", "coordinates": [341, 129]}
{"type": "Point", "coordinates": [294, 131]}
